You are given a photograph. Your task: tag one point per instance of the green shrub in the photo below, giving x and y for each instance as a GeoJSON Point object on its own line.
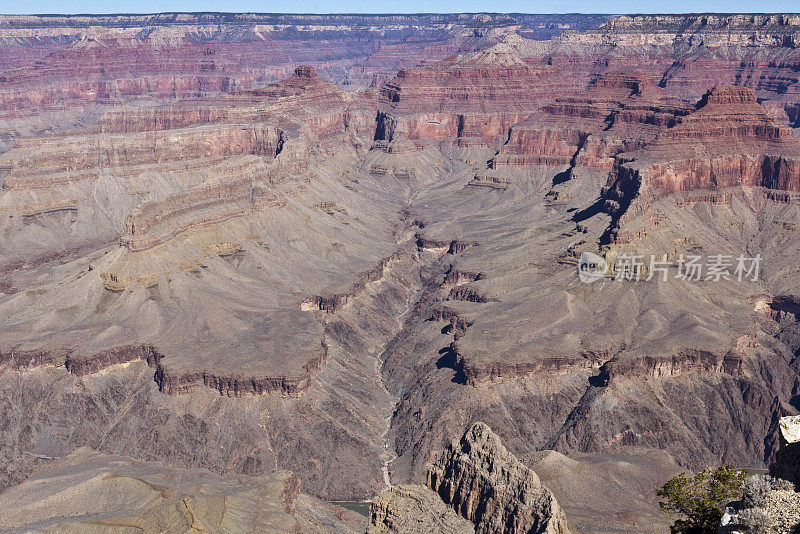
{"type": "Point", "coordinates": [701, 499]}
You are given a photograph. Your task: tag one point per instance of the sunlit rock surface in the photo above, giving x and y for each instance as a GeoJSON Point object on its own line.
{"type": "Point", "coordinates": [233, 245]}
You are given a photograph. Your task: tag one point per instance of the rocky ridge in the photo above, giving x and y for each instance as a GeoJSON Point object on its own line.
{"type": "Point", "coordinates": [49, 61]}
{"type": "Point", "coordinates": [728, 141]}
{"type": "Point", "coordinates": [459, 97]}
{"type": "Point", "coordinates": [482, 482]}
{"type": "Point", "coordinates": [412, 508]}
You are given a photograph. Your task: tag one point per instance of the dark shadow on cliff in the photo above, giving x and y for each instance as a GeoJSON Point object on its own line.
{"type": "Point", "coordinates": [566, 175]}
{"type": "Point", "coordinates": [591, 211]}
{"type": "Point", "coordinates": [449, 360]}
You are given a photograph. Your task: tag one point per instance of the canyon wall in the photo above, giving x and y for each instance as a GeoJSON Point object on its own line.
{"type": "Point", "coordinates": [483, 483]}
{"type": "Point", "coordinates": [313, 275]}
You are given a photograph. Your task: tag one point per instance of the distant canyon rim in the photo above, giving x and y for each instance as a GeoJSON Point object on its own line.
{"type": "Point", "coordinates": [307, 252]}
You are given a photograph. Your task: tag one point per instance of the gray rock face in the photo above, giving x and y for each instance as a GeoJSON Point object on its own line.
{"type": "Point", "coordinates": [414, 509]}
{"type": "Point", "coordinates": [776, 512]}
{"type": "Point", "coordinates": [488, 485]}
{"type": "Point", "coordinates": [770, 503]}
{"type": "Point", "coordinates": [787, 459]}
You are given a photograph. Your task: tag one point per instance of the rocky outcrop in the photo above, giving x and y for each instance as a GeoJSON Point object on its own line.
{"type": "Point", "coordinates": [729, 140]}
{"type": "Point", "coordinates": [481, 371]}
{"type": "Point", "coordinates": [414, 509]}
{"type": "Point", "coordinates": [688, 53]}
{"type": "Point", "coordinates": [40, 163]}
{"type": "Point", "coordinates": [119, 64]}
{"type": "Point", "coordinates": [81, 365]}
{"type": "Point", "coordinates": [618, 112]}
{"type": "Point", "coordinates": [454, 247]}
{"type": "Point", "coordinates": [237, 189]}
{"type": "Point", "coordinates": [154, 222]}
{"type": "Point", "coordinates": [771, 503]}
{"type": "Point", "coordinates": [475, 486]}
{"type": "Point", "coordinates": [170, 380]}
{"type": "Point", "coordinates": [787, 460]}
{"type": "Point", "coordinates": [303, 100]}
{"type": "Point", "coordinates": [665, 366]}
{"type": "Point", "coordinates": [461, 99]}
{"type": "Point", "coordinates": [334, 303]}
{"type": "Point", "coordinates": [174, 383]}
{"type": "Point", "coordinates": [70, 60]}
{"type": "Point", "coordinates": [768, 505]}
{"type": "Point", "coordinates": [458, 324]}
{"type": "Point", "coordinates": [486, 484]}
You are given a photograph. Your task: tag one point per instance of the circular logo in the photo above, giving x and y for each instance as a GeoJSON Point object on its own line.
{"type": "Point", "coordinates": [591, 267]}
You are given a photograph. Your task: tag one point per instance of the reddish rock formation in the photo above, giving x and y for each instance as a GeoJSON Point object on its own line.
{"type": "Point", "coordinates": [105, 64]}
{"type": "Point", "coordinates": [728, 141]}
{"type": "Point", "coordinates": [689, 53]}
{"type": "Point", "coordinates": [473, 96]}
{"type": "Point", "coordinates": [235, 206]}
{"type": "Point", "coordinates": [618, 112]}
{"type": "Point", "coordinates": [44, 162]}
{"type": "Point", "coordinates": [56, 60]}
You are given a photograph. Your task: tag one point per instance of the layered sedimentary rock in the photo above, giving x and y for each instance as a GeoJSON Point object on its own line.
{"type": "Point", "coordinates": [413, 509]}
{"type": "Point", "coordinates": [728, 141]}
{"type": "Point", "coordinates": [45, 163]}
{"type": "Point", "coordinates": [190, 234]}
{"type": "Point", "coordinates": [90, 491]}
{"type": "Point", "coordinates": [49, 61]}
{"type": "Point", "coordinates": [618, 112]}
{"type": "Point", "coordinates": [486, 484]}
{"type": "Point", "coordinates": [527, 332]}
{"type": "Point", "coordinates": [79, 72]}
{"type": "Point", "coordinates": [689, 53]}
{"type": "Point", "coordinates": [298, 276]}
{"type": "Point", "coordinates": [461, 97]}
{"type": "Point", "coordinates": [482, 482]}
{"type": "Point", "coordinates": [187, 177]}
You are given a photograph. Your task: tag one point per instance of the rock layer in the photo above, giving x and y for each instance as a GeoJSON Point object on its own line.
{"type": "Point", "coordinates": [486, 484]}
{"type": "Point", "coordinates": [414, 509]}
{"type": "Point", "coordinates": [339, 282]}
{"type": "Point", "coordinates": [89, 491]}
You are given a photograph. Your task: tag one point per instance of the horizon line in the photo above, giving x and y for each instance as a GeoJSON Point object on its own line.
{"type": "Point", "coordinates": [390, 14]}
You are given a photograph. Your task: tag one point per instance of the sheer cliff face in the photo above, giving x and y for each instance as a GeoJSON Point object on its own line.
{"type": "Point", "coordinates": [460, 97]}
{"type": "Point", "coordinates": [477, 479]}
{"type": "Point", "coordinates": [299, 275]}
{"type": "Point", "coordinates": [486, 484]}
{"type": "Point", "coordinates": [688, 55]}
{"type": "Point", "coordinates": [787, 461]}
{"type": "Point", "coordinates": [52, 61]}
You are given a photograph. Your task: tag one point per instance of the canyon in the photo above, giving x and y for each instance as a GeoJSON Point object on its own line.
{"type": "Point", "coordinates": [309, 252]}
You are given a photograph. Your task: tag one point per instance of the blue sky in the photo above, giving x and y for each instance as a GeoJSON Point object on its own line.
{"type": "Point", "coordinates": [407, 6]}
